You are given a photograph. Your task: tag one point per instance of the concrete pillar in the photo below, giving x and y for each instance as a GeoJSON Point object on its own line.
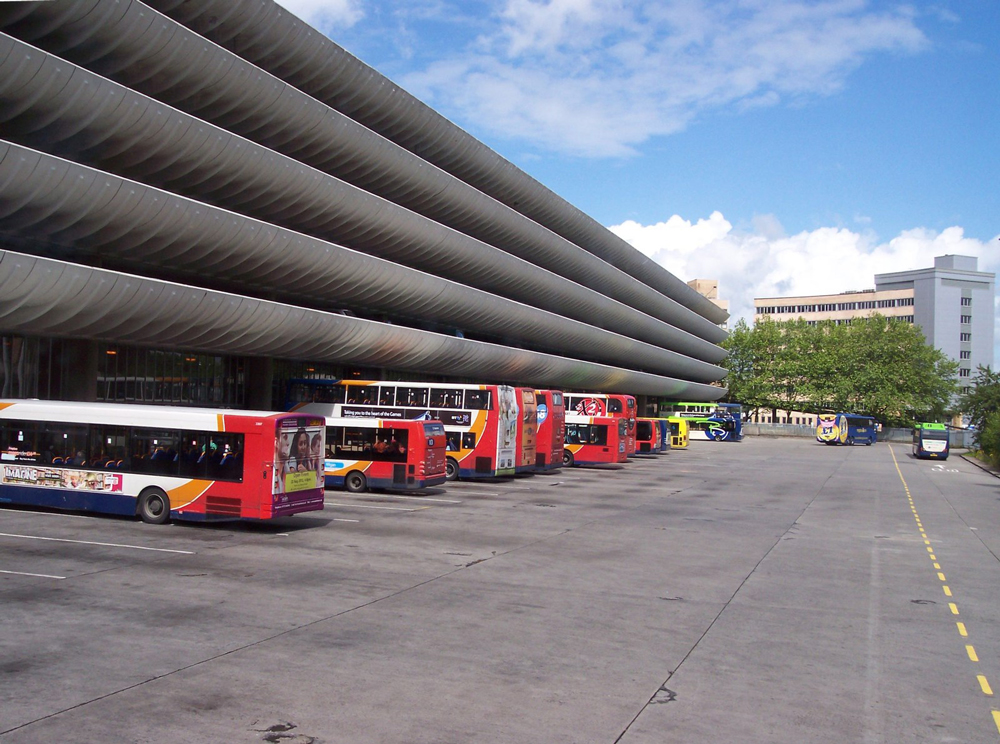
{"type": "Point", "coordinates": [78, 370]}
{"type": "Point", "coordinates": [259, 378]}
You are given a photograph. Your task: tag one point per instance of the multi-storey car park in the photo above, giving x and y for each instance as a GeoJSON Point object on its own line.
{"type": "Point", "coordinates": [201, 200]}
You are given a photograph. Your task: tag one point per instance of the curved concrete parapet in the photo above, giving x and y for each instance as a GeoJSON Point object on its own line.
{"type": "Point", "coordinates": [279, 42]}
{"type": "Point", "coordinates": [43, 296]}
{"type": "Point", "coordinates": [76, 211]}
{"type": "Point", "coordinates": [152, 53]}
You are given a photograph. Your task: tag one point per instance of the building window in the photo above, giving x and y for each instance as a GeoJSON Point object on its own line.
{"type": "Point", "coordinates": [964, 372]}
{"type": "Point", "coordinates": [966, 319]}
{"type": "Point", "coordinates": [966, 337]}
{"type": "Point", "coordinates": [965, 355]}
{"type": "Point", "coordinates": [966, 302]}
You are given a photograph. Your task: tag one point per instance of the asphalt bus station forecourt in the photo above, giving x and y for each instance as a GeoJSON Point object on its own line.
{"type": "Point", "coordinates": [771, 590]}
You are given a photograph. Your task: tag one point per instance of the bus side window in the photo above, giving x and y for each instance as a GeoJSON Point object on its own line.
{"type": "Point", "coordinates": [387, 395]}
{"type": "Point", "coordinates": [155, 450]}
{"type": "Point", "coordinates": [477, 400]}
{"type": "Point", "coordinates": [469, 440]}
{"type": "Point", "coordinates": [614, 406]}
{"type": "Point", "coordinates": [22, 443]}
{"type": "Point", "coordinates": [109, 447]}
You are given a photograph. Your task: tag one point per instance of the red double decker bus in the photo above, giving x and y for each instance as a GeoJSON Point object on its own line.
{"type": "Point", "coordinates": [606, 404]}
{"type": "Point", "coordinates": [648, 437]}
{"type": "Point", "coordinates": [551, 431]}
{"type": "Point", "coordinates": [594, 440]}
{"type": "Point", "coordinates": [480, 421]}
{"type": "Point", "coordinates": [527, 430]}
{"type": "Point", "coordinates": [158, 462]}
{"type": "Point", "coordinates": [375, 453]}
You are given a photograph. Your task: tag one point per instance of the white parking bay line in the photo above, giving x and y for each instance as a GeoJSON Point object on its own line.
{"type": "Point", "coordinates": [102, 544]}
{"type": "Point", "coordinates": [369, 506]}
{"type": "Point", "coordinates": [39, 576]}
{"type": "Point", "coordinates": [421, 498]}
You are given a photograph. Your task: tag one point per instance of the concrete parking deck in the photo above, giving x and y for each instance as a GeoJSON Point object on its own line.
{"type": "Point", "coordinates": [775, 590]}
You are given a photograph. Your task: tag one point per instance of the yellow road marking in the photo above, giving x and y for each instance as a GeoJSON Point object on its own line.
{"type": "Point", "coordinates": [937, 565]}
{"type": "Point", "coordinates": [996, 718]}
{"type": "Point", "coordinates": [941, 576]}
{"type": "Point", "coordinates": [987, 690]}
{"type": "Point", "coordinates": [947, 591]}
{"type": "Point", "coordinates": [953, 607]}
{"type": "Point", "coordinates": [962, 631]}
{"type": "Point", "coordinates": [972, 653]}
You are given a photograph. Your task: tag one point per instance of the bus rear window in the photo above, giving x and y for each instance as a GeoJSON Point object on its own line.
{"type": "Point", "coordinates": [434, 430]}
{"type": "Point", "coordinates": [615, 406]}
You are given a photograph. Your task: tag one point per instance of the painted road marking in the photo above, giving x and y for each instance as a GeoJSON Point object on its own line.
{"type": "Point", "coordinates": [418, 498]}
{"type": "Point", "coordinates": [346, 520]}
{"type": "Point", "coordinates": [371, 506]}
{"type": "Point", "coordinates": [984, 684]}
{"type": "Point", "coordinates": [23, 573]}
{"type": "Point", "coordinates": [102, 544]}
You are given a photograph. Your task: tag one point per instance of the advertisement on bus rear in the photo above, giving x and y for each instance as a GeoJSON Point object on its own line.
{"type": "Point", "coordinates": [299, 449]}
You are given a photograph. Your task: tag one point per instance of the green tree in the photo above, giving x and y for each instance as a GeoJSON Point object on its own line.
{"type": "Point", "coordinates": [752, 363]}
{"type": "Point", "coordinates": [984, 398]}
{"type": "Point", "coordinates": [873, 365]}
{"type": "Point", "coordinates": [982, 405]}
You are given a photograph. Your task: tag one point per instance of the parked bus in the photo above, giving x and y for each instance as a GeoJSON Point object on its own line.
{"type": "Point", "coordinates": [719, 422]}
{"type": "Point", "coordinates": [375, 453]}
{"type": "Point", "coordinates": [603, 404]}
{"type": "Point", "coordinates": [930, 441]}
{"type": "Point", "coordinates": [480, 421]}
{"type": "Point", "coordinates": [846, 428]}
{"type": "Point", "coordinates": [664, 425]}
{"type": "Point", "coordinates": [648, 437]}
{"type": "Point", "coordinates": [678, 432]}
{"type": "Point", "coordinates": [594, 440]}
{"type": "Point", "coordinates": [551, 429]}
{"type": "Point", "coordinates": [527, 431]}
{"type": "Point", "coordinates": [158, 462]}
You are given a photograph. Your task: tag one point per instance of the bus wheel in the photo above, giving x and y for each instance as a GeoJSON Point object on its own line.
{"type": "Point", "coordinates": [451, 469]}
{"type": "Point", "coordinates": [567, 458]}
{"type": "Point", "coordinates": [153, 506]}
{"type": "Point", "coordinates": [356, 482]}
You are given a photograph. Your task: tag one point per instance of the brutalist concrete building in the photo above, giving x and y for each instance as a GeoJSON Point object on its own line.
{"type": "Point", "coordinates": [200, 200]}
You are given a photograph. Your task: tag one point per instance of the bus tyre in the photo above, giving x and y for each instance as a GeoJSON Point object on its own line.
{"type": "Point", "coordinates": [153, 506]}
{"type": "Point", "coordinates": [451, 469]}
{"type": "Point", "coordinates": [356, 482]}
{"type": "Point", "coordinates": [567, 458]}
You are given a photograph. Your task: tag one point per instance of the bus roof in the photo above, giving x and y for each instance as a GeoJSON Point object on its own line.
{"type": "Point", "coordinates": [124, 414]}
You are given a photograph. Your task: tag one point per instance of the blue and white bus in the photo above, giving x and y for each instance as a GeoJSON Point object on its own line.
{"type": "Point", "coordinates": [846, 428]}
{"type": "Point", "coordinates": [930, 441]}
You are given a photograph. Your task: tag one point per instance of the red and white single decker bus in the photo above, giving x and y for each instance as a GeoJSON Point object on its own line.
{"type": "Point", "coordinates": [527, 430]}
{"type": "Point", "coordinates": [551, 423]}
{"type": "Point", "coordinates": [158, 462]}
{"type": "Point", "coordinates": [604, 404]}
{"type": "Point", "coordinates": [594, 440]}
{"type": "Point", "coordinates": [480, 421]}
{"type": "Point", "coordinates": [376, 453]}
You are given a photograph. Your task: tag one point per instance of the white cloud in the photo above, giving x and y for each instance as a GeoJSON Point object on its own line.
{"type": "Point", "coordinates": [764, 262]}
{"type": "Point", "coordinates": [561, 73]}
{"type": "Point", "coordinates": [326, 13]}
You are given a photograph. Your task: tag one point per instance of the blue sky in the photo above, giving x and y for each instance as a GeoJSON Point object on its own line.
{"type": "Point", "coordinates": [741, 140]}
